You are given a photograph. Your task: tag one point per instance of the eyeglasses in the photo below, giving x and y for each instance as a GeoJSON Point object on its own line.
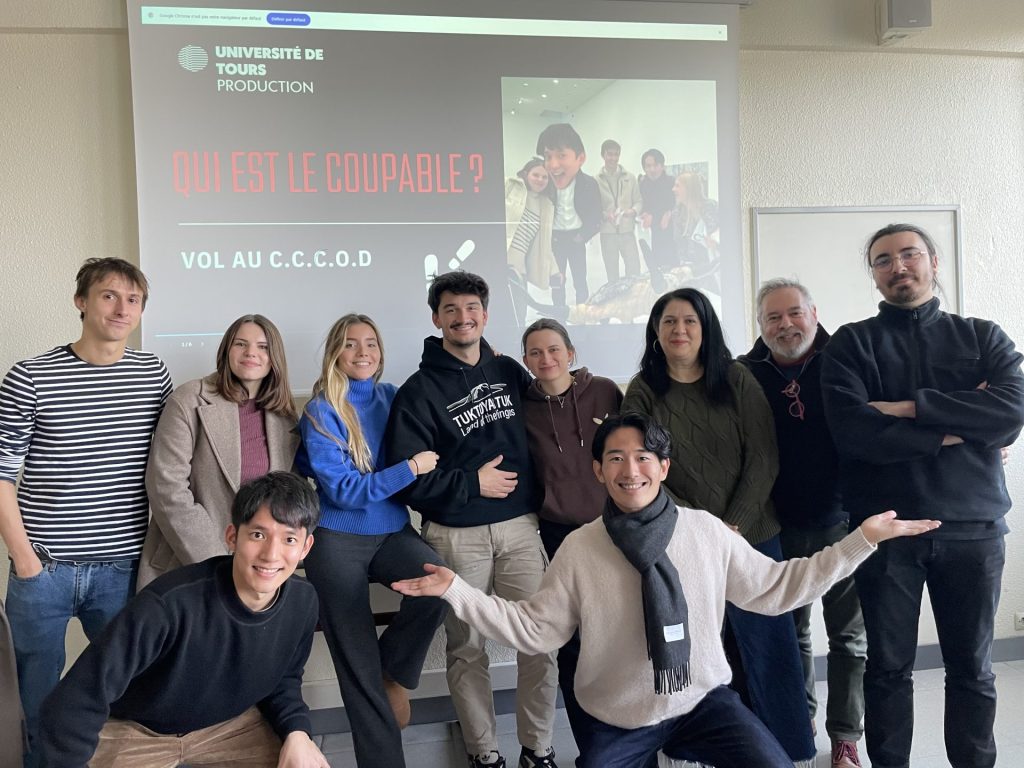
{"type": "Point", "coordinates": [885, 262]}
{"type": "Point", "coordinates": [796, 408]}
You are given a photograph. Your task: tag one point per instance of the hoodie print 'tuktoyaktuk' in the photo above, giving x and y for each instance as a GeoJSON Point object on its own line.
{"type": "Point", "coordinates": [468, 414]}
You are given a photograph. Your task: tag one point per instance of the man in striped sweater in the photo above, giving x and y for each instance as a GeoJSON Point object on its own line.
{"type": "Point", "coordinates": [80, 419]}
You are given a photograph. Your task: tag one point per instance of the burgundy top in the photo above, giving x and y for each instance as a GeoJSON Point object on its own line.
{"type": "Point", "coordinates": [255, 453]}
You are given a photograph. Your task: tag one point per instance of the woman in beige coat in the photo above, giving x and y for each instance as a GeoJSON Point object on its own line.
{"type": "Point", "coordinates": [216, 433]}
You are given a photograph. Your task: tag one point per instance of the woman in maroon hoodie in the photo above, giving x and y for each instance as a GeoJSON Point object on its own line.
{"type": "Point", "coordinates": [564, 408]}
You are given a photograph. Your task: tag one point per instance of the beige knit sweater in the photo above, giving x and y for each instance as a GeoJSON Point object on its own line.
{"type": "Point", "coordinates": [590, 584]}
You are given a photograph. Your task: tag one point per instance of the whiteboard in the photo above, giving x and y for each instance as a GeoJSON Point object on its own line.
{"type": "Point", "coordinates": [823, 248]}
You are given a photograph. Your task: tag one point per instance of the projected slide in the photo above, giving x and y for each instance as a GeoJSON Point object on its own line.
{"type": "Point", "coordinates": [304, 163]}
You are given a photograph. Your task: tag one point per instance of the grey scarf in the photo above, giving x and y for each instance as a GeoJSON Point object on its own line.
{"type": "Point", "coordinates": [642, 537]}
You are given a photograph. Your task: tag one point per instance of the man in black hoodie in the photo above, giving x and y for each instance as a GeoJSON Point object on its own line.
{"type": "Point", "coordinates": [786, 361]}
{"type": "Point", "coordinates": [479, 504]}
{"type": "Point", "coordinates": [920, 403]}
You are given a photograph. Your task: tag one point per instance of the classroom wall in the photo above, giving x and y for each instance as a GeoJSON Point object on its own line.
{"type": "Point", "coordinates": [827, 118]}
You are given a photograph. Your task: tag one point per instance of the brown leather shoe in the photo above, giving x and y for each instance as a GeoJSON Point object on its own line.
{"type": "Point", "coordinates": [844, 755]}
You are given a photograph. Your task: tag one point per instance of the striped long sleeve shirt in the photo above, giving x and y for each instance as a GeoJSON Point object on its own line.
{"type": "Point", "coordinates": [83, 433]}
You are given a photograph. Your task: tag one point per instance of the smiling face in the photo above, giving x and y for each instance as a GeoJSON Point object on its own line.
{"type": "Point", "coordinates": [788, 324]}
{"type": "Point", "coordinates": [903, 284]}
{"type": "Point", "coordinates": [111, 310]}
{"type": "Point", "coordinates": [461, 319]}
{"type": "Point", "coordinates": [680, 333]}
{"type": "Point", "coordinates": [631, 474]}
{"type": "Point", "coordinates": [548, 358]}
{"type": "Point", "coordinates": [249, 357]}
{"type": "Point", "coordinates": [266, 553]}
{"type": "Point", "coordinates": [537, 178]}
{"type": "Point", "coordinates": [359, 358]}
{"type": "Point", "coordinates": [563, 165]}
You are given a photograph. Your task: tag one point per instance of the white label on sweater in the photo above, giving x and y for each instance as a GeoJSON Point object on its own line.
{"type": "Point", "coordinates": [674, 632]}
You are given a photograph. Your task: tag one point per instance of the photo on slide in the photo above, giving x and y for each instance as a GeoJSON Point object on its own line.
{"type": "Point", "coordinates": [610, 195]}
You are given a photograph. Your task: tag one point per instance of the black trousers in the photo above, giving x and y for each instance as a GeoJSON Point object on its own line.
{"type": "Point", "coordinates": [341, 567]}
{"type": "Point", "coordinates": [963, 579]}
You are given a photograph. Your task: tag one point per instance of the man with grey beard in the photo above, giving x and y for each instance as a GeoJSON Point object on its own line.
{"type": "Point", "coordinates": [787, 364]}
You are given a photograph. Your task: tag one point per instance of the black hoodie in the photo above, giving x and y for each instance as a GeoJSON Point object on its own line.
{"type": "Point", "coordinates": [468, 414]}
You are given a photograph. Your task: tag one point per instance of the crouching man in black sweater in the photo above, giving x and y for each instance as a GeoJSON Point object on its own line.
{"type": "Point", "coordinates": [205, 665]}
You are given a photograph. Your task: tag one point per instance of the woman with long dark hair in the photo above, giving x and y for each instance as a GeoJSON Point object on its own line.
{"type": "Point", "coordinates": [215, 434]}
{"type": "Point", "coordinates": [725, 460]}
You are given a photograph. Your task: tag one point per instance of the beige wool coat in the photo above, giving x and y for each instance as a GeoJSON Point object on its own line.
{"type": "Point", "coordinates": [194, 471]}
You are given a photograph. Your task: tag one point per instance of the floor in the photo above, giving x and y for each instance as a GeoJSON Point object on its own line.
{"type": "Point", "coordinates": [439, 745]}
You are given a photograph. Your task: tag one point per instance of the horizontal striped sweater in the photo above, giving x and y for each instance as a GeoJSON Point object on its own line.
{"type": "Point", "coordinates": [83, 433]}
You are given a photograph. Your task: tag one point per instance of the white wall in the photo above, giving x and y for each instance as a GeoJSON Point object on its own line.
{"type": "Point", "coordinates": [827, 118]}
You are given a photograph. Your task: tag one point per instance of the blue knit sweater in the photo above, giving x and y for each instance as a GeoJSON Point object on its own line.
{"type": "Point", "coordinates": [352, 501]}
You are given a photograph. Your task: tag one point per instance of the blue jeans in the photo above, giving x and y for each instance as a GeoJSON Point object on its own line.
{"type": "Point", "coordinates": [719, 730]}
{"type": "Point", "coordinates": [39, 609]}
{"type": "Point", "coordinates": [775, 676]}
{"type": "Point", "coordinates": [963, 579]}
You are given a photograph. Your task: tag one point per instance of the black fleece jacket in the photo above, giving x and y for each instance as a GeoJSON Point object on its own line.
{"type": "Point", "coordinates": [806, 492]}
{"type": "Point", "coordinates": [468, 414]}
{"type": "Point", "coordinates": [939, 361]}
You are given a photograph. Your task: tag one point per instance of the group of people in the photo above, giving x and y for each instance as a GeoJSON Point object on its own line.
{"type": "Point", "coordinates": [613, 541]}
{"type": "Point", "coordinates": [553, 209]}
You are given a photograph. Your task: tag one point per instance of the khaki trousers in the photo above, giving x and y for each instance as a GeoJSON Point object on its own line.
{"type": "Point", "coordinates": [246, 740]}
{"type": "Point", "coordinates": [507, 559]}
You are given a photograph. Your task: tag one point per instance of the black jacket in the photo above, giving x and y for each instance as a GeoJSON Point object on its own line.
{"type": "Point", "coordinates": [806, 492]}
{"type": "Point", "coordinates": [469, 414]}
{"type": "Point", "coordinates": [586, 199]}
{"type": "Point", "coordinates": [937, 360]}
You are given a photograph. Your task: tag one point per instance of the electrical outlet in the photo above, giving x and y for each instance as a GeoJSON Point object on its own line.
{"type": "Point", "coordinates": [1018, 621]}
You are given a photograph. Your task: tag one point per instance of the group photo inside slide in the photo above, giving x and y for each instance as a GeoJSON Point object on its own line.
{"type": "Point", "coordinates": [302, 163]}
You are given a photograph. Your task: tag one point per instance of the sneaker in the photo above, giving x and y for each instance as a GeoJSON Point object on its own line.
{"type": "Point", "coordinates": [530, 759]}
{"type": "Point", "coordinates": [844, 755]}
{"type": "Point", "coordinates": [492, 759]}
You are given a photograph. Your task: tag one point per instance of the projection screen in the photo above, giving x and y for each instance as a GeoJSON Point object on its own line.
{"type": "Point", "coordinates": [301, 162]}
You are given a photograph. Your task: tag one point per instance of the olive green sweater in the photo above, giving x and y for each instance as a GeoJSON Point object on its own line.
{"type": "Point", "coordinates": [724, 457]}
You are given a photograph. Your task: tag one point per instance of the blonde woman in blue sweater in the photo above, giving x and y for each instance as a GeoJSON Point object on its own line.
{"type": "Point", "coordinates": [365, 536]}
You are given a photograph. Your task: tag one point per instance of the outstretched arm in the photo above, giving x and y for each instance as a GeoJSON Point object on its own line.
{"type": "Point", "coordinates": [434, 584]}
{"type": "Point", "coordinates": [758, 583]}
{"type": "Point", "coordinates": [884, 526]}
{"type": "Point", "coordinates": [539, 625]}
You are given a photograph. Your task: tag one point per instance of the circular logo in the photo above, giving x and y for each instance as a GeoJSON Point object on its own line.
{"type": "Point", "coordinates": [193, 58]}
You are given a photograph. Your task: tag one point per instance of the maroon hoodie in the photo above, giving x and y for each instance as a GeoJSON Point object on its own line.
{"type": "Point", "coordinates": [560, 430]}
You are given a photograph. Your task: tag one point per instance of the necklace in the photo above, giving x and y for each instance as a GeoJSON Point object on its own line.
{"type": "Point", "coordinates": [562, 397]}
